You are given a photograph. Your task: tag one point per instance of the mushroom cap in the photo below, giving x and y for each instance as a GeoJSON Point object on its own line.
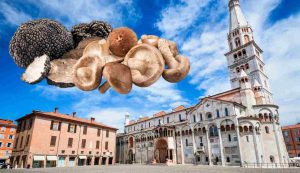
{"type": "Point", "coordinates": [118, 76]}
{"type": "Point", "coordinates": [146, 64]}
{"type": "Point", "coordinates": [150, 39]}
{"type": "Point", "coordinates": [87, 72]}
{"type": "Point", "coordinates": [177, 74]}
{"type": "Point", "coordinates": [121, 40]}
{"type": "Point", "coordinates": [61, 72]}
{"type": "Point", "coordinates": [101, 49]}
{"type": "Point", "coordinates": [38, 37]}
{"type": "Point", "coordinates": [83, 31]}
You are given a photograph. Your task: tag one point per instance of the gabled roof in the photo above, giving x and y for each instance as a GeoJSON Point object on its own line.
{"type": "Point", "coordinates": [159, 114]}
{"type": "Point", "coordinates": [179, 108]}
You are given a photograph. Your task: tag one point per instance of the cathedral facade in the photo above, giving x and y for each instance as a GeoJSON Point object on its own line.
{"type": "Point", "coordinates": [238, 127]}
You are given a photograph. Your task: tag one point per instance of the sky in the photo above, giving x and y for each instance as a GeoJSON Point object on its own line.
{"type": "Point", "coordinates": [199, 27]}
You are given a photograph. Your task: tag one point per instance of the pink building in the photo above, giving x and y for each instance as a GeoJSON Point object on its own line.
{"type": "Point", "coordinates": [52, 139]}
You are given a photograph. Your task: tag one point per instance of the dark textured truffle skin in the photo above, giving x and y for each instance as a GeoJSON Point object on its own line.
{"type": "Point", "coordinates": [121, 40]}
{"type": "Point", "coordinates": [38, 37]}
{"type": "Point", "coordinates": [85, 30]}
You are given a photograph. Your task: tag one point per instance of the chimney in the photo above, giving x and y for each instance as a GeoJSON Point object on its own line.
{"type": "Point", "coordinates": [74, 114]}
{"type": "Point", "coordinates": [56, 110]}
{"type": "Point", "coordinates": [92, 119]}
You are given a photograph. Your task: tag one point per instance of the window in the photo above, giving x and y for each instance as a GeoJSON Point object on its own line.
{"type": "Point", "coordinates": [52, 141]}
{"type": "Point", "coordinates": [227, 159]}
{"type": "Point", "coordinates": [8, 145]}
{"type": "Point", "coordinates": [229, 137]}
{"type": "Point", "coordinates": [272, 159]}
{"type": "Point", "coordinates": [237, 42]}
{"type": "Point", "coordinates": [247, 138]}
{"type": "Point", "coordinates": [21, 142]}
{"type": "Point", "coordinates": [70, 142]}
{"type": "Point", "coordinates": [16, 143]}
{"type": "Point", "coordinates": [30, 123]}
{"type": "Point", "coordinates": [213, 131]}
{"type": "Point", "coordinates": [55, 125]}
{"type": "Point", "coordinates": [209, 116]}
{"type": "Point", "coordinates": [27, 140]}
{"type": "Point", "coordinates": [84, 130]}
{"type": "Point", "coordinates": [106, 145]}
{"type": "Point", "coordinates": [98, 132]}
{"type": "Point", "coordinates": [83, 142]}
{"type": "Point", "coordinates": [168, 119]}
{"type": "Point", "coordinates": [97, 144]}
{"type": "Point", "coordinates": [11, 137]}
{"type": "Point", "coordinates": [107, 133]}
{"type": "Point", "coordinates": [194, 118]}
{"type": "Point", "coordinates": [1, 136]}
{"type": "Point", "coordinates": [186, 142]}
{"type": "Point", "coordinates": [180, 117]}
{"type": "Point", "coordinates": [0, 144]}
{"type": "Point", "coordinates": [12, 129]}
{"type": "Point", "coordinates": [72, 128]}
{"type": "Point", "coordinates": [3, 129]}
{"type": "Point", "coordinates": [159, 122]}
{"type": "Point", "coordinates": [142, 126]}
{"type": "Point", "coordinates": [226, 112]}
{"type": "Point", "coordinates": [218, 113]}
{"type": "Point", "coordinates": [201, 118]}
{"type": "Point", "coordinates": [149, 124]}
{"type": "Point", "coordinates": [267, 129]}
{"type": "Point", "coordinates": [244, 52]}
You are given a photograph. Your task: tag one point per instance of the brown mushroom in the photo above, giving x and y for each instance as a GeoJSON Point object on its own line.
{"type": "Point", "coordinates": [178, 65]}
{"type": "Point", "coordinates": [121, 40]}
{"type": "Point", "coordinates": [118, 76]}
{"type": "Point", "coordinates": [87, 72]}
{"type": "Point", "coordinates": [150, 39]}
{"type": "Point", "coordinates": [146, 64]}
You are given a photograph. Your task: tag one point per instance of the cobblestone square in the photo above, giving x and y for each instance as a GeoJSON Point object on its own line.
{"type": "Point", "coordinates": [153, 169]}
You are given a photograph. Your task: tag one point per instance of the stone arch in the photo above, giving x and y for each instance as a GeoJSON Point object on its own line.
{"type": "Point", "coordinates": [161, 151]}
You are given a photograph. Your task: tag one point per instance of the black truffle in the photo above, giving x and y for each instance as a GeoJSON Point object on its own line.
{"type": "Point", "coordinates": [85, 30]}
{"type": "Point", "coordinates": [38, 37]}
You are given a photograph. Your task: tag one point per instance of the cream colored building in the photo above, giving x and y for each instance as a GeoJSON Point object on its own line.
{"type": "Point", "coordinates": [237, 127]}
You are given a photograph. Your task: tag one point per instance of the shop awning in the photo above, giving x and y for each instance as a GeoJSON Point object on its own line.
{"type": "Point", "coordinates": [39, 158]}
{"type": "Point", "coordinates": [82, 157]}
{"type": "Point", "coordinates": [51, 158]}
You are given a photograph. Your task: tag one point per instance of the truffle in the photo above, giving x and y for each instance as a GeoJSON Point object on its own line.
{"type": "Point", "coordinates": [61, 73]}
{"type": "Point", "coordinates": [38, 37]}
{"type": "Point", "coordinates": [37, 70]}
{"type": "Point", "coordinates": [85, 30]}
{"type": "Point", "coordinates": [121, 40]}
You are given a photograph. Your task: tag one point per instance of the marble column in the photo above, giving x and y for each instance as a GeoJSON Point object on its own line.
{"type": "Point", "coordinates": [194, 142]}
{"type": "Point", "coordinates": [221, 147]}
{"type": "Point", "coordinates": [255, 147]}
{"type": "Point", "coordinates": [239, 143]}
{"type": "Point", "coordinates": [181, 148]}
{"type": "Point", "coordinates": [277, 142]}
{"type": "Point", "coordinates": [208, 146]}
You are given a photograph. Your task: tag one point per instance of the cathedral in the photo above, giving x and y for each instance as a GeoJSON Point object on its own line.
{"type": "Point", "coordinates": [239, 127]}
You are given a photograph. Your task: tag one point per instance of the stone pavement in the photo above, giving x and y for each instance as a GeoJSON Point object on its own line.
{"type": "Point", "coordinates": [153, 169]}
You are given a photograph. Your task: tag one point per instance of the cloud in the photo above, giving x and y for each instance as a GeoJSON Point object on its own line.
{"type": "Point", "coordinates": [12, 15]}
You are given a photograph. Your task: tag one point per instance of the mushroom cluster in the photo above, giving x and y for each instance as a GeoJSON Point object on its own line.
{"type": "Point", "coordinates": [91, 51]}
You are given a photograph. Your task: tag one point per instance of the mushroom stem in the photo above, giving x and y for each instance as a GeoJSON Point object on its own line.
{"type": "Point", "coordinates": [104, 87]}
{"type": "Point", "coordinates": [168, 56]}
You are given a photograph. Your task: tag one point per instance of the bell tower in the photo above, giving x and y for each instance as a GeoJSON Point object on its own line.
{"type": "Point", "coordinates": [244, 54]}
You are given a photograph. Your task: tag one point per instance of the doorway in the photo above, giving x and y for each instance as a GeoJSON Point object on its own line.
{"type": "Point", "coordinates": [161, 151]}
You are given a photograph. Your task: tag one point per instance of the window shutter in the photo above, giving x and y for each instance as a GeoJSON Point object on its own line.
{"type": "Point", "coordinates": [59, 126]}
{"type": "Point", "coordinates": [69, 127]}
{"type": "Point", "coordinates": [75, 128]}
{"type": "Point", "coordinates": [70, 142]}
{"type": "Point", "coordinates": [83, 143]}
{"type": "Point", "coordinates": [106, 145]}
{"type": "Point", "coordinates": [51, 127]}
{"type": "Point", "coordinates": [53, 141]}
{"type": "Point", "coordinates": [97, 144]}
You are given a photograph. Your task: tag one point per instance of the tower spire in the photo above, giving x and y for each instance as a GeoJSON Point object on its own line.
{"type": "Point", "coordinates": [237, 18]}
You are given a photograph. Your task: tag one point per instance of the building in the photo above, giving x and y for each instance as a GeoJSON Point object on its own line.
{"type": "Point", "coordinates": [52, 139]}
{"type": "Point", "coordinates": [7, 135]}
{"type": "Point", "coordinates": [235, 127]}
{"type": "Point", "coordinates": [291, 135]}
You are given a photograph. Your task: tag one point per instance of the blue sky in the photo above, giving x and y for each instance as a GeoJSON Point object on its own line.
{"type": "Point", "coordinates": [198, 26]}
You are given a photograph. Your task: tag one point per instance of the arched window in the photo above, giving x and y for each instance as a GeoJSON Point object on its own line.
{"type": "Point", "coordinates": [227, 159]}
{"type": "Point", "coordinates": [209, 116]}
{"type": "Point", "coordinates": [244, 52]}
{"type": "Point", "coordinates": [186, 142]}
{"type": "Point", "coordinates": [218, 113]}
{"type": "Point", "coordinates": [247, 66]}
{"type": "Point", "coordinates": [226, 112]}
{"type": "Point", "coordinates": [237, 42]}
{"type": "Point", "coordinates": [213, 131]}
{"type": "Point", "coordinates": [149, 124]}
{"type": "Point", "coordinates": [267, 129]}
{"type": "Point", "coordinates": [237, 69]}
{"type": "Point", "coordinates": [159, 122]}
{"type": "Point", "coordinates": [194, 118]}
{"type": "Point", "coordinates": [235, 56]}
{"type": "Point", "coordinates": [168, 119]}
{"type": "Point", "coordinates": [272, 159]}
{"type": "Point", "coordinates": [201, 118]}
{"type": "Point", "coordinates": [229, 137]}
{"type": "Point", "coordinates": [246, 38]}
{"type": "Point", "coordinates": [239, 54]}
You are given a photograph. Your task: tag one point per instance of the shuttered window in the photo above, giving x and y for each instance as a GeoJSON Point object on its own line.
{"type": "Point", "coordinates": [97, 144]}
{"type": "Point", "coordinates": [83, 142]}
{"type": "Point", "coordinates": [106, 145]}
{"type": "Point", "coordinates": [107, 133]}
{"type": "Point", "coordinates": [98, 132]}
{"type": "Point", "coordinates": [85, 130]}
{"type": "Point", "coordinates": [70, 142]}
{"type": "Point", "coordinates": [53, 141]}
